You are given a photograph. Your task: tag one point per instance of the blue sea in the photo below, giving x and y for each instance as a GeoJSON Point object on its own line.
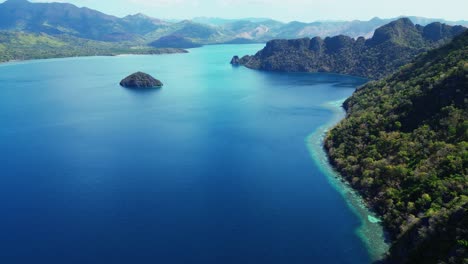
{"type": "Point", "coordinates": [212, 168]}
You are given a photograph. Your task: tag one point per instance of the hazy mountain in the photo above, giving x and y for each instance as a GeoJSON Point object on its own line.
{"type": "Point", "coordinates": [62, 18]}
{"type": "Point", "coordinates": [25, 46]}
{"type": "Point", "coordinates": [241, 41]}
{"type": "Point", "coordinates": [392, 46]}
{"type": "Point", "coordinates": [424, 21]}
{"type": "Point", "coordinates": [217, 21]}
{"type": "Point", "coordinates": [263, 30]}
{"type": "Point", "coordinates": [267, 29]}
{"type": "Point", "coordinates": [174, 41]}
{"type": "Point", "coordinates": [142, 24]}
{"type": "Point", "coordinates": [195, 32]}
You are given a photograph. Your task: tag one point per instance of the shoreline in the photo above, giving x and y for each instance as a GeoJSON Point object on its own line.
{"type": "Point", "coordinates": [177, 51]}
{"type": "Point", "coordinates": [370, 230]}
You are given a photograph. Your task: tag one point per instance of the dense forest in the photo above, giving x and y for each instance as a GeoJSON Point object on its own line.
{"type": "Point", "coordinates": [24, 46]}
{"type": "Point", "coordinates": [404, 146]}
{"type": "Point", "coordinates": [392, 46]}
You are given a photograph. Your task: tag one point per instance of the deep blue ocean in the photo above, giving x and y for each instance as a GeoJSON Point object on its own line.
{"type": "Point", "coordinates": [212, 168]}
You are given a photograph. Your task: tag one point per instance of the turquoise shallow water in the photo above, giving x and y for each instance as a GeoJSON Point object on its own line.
{"type": "Point", "coordinates": [215, 167]}
{"type": "Point", "coordinates": [370, 231]}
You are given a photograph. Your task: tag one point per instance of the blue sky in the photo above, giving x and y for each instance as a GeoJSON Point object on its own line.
{"type": "Point", "coordinates": [285, 10]}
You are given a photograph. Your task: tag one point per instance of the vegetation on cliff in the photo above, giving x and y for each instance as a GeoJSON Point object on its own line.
{"type": "Point", "coordinates": [404, 146]}
{"type": "Point", "coordinates": [391, 47]}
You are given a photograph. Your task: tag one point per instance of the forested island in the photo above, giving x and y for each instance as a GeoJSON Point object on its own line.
{"type": "Point", "coordinates": [392, 46]}
{"type": "Point", "coordinates": [404, 147]}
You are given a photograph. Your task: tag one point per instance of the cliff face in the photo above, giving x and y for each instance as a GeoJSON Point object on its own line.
{"type": "Point", "coordinates": [392, 46]}
{"type": "Point", "coordinates": [404, 145]}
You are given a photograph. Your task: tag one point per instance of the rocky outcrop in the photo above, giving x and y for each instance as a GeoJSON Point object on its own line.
{"type": "Point", "coordinates": [235, 60]}
{"type": "Point", "coordinates": [141, 80]}
{"type": "Point", "coordinates": [392, 46]}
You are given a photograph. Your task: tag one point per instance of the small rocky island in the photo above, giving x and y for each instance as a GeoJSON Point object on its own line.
{"type": "Point", "coordinates": [141, 80]}
{"type": "Point", "coordinates": [235, 61]}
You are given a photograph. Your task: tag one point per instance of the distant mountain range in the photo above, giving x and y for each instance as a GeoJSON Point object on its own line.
{"type": "Point", "coordinates": [63, 18]}
{"type": "Point", "coordinates": [391, 46]}
{"type": "Point", "coordinates": [33, 30]}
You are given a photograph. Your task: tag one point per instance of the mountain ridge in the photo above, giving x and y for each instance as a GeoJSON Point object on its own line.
{"type": "Point", "coordinates": [83, 22]}
{"type": "Point", "coordinates": [392, 46]}
{"type": "Point", "coordinates": [67, 22]}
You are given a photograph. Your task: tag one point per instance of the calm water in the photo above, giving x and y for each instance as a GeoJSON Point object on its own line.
{"type": "Point", "coordinates": [213, 168]}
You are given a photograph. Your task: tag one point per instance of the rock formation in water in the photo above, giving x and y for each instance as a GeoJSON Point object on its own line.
{"type": "Point", "coordinates": [140, 80]}
{"type": "Point", "coordinates": [235, 60]}
{"type": "Point", "coordinates": [391, 47]}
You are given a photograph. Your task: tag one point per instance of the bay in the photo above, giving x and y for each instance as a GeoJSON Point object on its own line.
{"type": "Point", "coordinates": [212, 168]}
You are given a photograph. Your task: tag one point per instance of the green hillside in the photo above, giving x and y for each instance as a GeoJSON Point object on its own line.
{"type": "Point", "coordinates": [24, 46]}
{"type": "Point", "coordinates": [392, 46]}
{"type": "Point", "coordinates": [404, 146]}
